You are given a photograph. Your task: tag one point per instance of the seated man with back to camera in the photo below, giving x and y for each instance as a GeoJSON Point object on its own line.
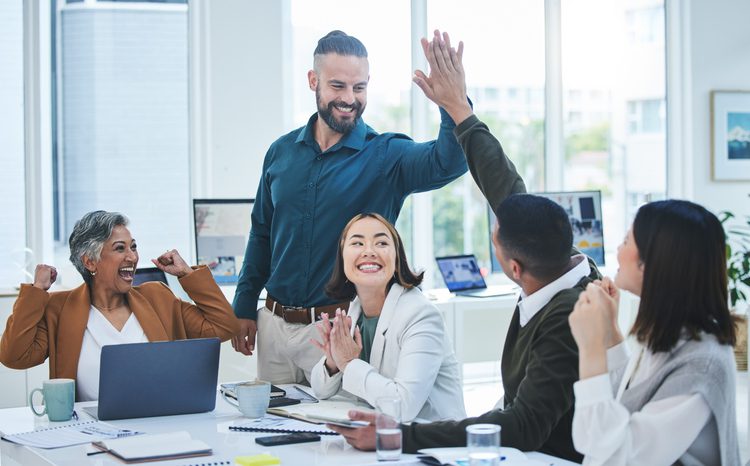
{"type": "Point", "coordinates": [533, 242]}
{"type": "Point", "coordinates": [70, 327]}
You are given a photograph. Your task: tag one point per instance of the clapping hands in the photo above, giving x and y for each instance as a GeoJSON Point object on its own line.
{"type": "Point", "coordinates": [338, 345]}
{"type": "Point", "coordinates": [593, 324]}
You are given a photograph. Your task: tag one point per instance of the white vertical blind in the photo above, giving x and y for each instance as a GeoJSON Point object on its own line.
{"type": "Point", "coordinates": [124, 117]}
{"type": "Point", "coordinates": [12, 190]}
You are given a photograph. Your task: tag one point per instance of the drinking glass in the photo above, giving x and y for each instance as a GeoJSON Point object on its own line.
{"type": "Point", "coordinates": [483, 443]}
{"type": "Point", "coordinates": [388, 428]}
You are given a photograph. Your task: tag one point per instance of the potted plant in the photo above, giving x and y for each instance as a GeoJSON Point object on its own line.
{"type": "Point", "coordinates": [738, 275]}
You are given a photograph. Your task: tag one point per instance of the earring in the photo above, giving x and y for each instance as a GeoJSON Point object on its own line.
{"type": "Point", "coordinates": [93, 273]}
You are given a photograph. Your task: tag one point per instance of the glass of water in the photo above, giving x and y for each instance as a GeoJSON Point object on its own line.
{"type": "Point", "coordinates": [483, 443]}
{"type": "Point", "coordinates": [388, 428]}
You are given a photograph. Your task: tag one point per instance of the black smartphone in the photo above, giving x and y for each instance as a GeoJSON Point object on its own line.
{"type": "Point", "coordinates": [287, 439]}
{"type": "Point", "coordinates": [282, 401]}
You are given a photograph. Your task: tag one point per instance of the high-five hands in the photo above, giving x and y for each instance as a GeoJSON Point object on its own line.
{"type": "Point", "coordinates": [446, 83]}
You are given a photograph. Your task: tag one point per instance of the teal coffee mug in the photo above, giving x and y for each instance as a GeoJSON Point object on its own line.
{"type": "Point", "coordinates": [58, 396]}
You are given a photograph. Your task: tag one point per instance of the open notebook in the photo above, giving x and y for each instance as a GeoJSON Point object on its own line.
{"type": "Point", "coordinates": [154, 447]}
{"type": "Point", "coordinates": [302, 417]}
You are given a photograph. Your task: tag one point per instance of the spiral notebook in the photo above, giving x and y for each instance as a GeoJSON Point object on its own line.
{"type": "Point", "coordinates": [68, 434]}
{"type": "Point", "coordinates": [273, 423]}
{"type": "Point", "coordinates": [212, 462]}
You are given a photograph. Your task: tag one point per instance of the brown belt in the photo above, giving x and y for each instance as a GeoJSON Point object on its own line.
{"type": "Point", "coordinates": [303, 315]}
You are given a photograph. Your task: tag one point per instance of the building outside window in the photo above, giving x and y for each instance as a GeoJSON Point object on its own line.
{"type": "Point", "coordinates": [122, 120]}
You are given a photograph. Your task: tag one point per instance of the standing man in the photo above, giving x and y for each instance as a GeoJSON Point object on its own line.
{"type": "Point", "coordinates": [314, 180]}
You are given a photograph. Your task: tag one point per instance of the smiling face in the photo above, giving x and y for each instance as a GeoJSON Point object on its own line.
{"type": "Point", "coordinates": [369, 254]}
{"type": "Point", "coordinates": [117, 263]}
{"type": "Point", "coordinates": [630, 273]}
{"type": "Point", "coordinates": [340, 85]}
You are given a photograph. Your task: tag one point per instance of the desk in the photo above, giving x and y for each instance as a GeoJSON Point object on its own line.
{"type": "Point", "coordinates": [212, 428]}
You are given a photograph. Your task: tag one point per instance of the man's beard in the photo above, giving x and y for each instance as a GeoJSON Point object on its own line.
{"type": "Point", "coordinates": [326, 113]}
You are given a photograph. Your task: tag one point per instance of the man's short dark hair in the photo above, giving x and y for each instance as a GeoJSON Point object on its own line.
{"type": "Point", "coordinates": [536, 232]}
{"type": "Point", "coordinates": [340, 43]}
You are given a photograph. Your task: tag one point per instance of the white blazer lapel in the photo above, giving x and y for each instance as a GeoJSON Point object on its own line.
{"type": "Point", "coordinates": [386, 315]}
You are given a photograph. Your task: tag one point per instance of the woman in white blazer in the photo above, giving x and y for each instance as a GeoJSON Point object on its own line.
{"type": "Point", "coordinates": [393, 340]}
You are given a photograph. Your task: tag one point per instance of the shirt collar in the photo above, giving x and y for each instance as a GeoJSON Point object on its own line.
{"type": "Point", "coordinates": [355, 139]}
{"type": "Point", "coordinates": [529, 305]}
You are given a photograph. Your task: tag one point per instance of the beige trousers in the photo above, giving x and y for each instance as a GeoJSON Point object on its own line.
{"type": "Point", "coordinates": [285, 354]}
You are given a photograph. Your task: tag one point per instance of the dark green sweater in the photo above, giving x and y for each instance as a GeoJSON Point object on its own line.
{"type": "Point", "coordinates": [539, 367]}
{"type": "Point", "coordinates": [540, 360]}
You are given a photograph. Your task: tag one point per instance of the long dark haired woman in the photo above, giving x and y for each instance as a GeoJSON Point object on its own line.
{"type": "Point", "coordinates": [673, 401]}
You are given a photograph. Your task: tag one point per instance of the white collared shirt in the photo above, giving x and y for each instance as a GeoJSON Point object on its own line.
{"type": "Point", "coordinates": [529, 305]}
{"type": "Point", "coordinates": [100, 332]}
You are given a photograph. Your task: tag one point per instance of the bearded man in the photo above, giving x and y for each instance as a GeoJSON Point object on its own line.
{"type": "Point", "coordinates": [314, 180]}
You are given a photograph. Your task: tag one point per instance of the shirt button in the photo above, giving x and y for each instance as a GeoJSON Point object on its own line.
{"type": "Point", "coordinates": [312, 185]}
{"type": "Point", "coordinates": [318, 158]}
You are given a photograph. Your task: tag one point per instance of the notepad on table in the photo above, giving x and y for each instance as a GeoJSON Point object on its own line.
{"type": "Point", "coordinates": [66, 435]}
{"type": "Point", "coordinates": [286, 425]}
{"type": "Point", "coordinates": [459, 456]}
{"type": "Point", "coordinates": [155, 447]}
{"type": "Point", "coordinates": [325, 408]}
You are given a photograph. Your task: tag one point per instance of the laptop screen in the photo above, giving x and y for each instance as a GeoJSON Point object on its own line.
{"type": "Point", "coordinates": [149, 274]}
{"type": "Point", "coordinates": [461, 272]}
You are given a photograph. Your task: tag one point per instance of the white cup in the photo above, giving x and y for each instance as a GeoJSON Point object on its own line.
{"type": "Point", "coordinates": [252, 398]}
{"type": "Point", "coordinates": [388, 428]}
{"type": "Point", "coordinates": [483, 443]}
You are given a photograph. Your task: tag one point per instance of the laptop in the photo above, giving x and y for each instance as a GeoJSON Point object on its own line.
{"type": "Point", "coordinates": [149, 274]}
{"type": "Point", "coordinates": [157, 379]}
{"type": "Point", "coordinates": [462, 276]}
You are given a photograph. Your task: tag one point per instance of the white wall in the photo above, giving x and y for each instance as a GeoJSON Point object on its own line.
{"type": "Point", "coordinates": [240, 91]}
{"type": "Point", "coordinates": [719, 60]}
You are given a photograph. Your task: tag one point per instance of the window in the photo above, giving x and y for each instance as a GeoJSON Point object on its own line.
{"type": "Point", "coordinates": [613, 133]}
{"type": "Point", "coordinates": [13, 255]}
{"type": "Point", "coordinates": [646, 116]}
{"type": "Point", "coordinates": [645, 25]}
{"type": "Point", "coordinates": [388, 92]}
{"type": "Point", "coordinates": [506, 85]}
{"type": "Point", "coordinates": [123, 119]}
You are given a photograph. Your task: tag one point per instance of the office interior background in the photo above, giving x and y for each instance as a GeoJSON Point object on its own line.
{"type": "Point", "coordinates": [141, 106]}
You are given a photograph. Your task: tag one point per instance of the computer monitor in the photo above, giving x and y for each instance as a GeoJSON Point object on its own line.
{"type": "Point", "coordinates": [584, 209]}
{"type": "Point", "coordinates": [222, 228]}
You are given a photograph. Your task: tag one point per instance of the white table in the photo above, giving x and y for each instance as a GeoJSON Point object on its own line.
{"type": "Point", "coordinates": [212, 428]}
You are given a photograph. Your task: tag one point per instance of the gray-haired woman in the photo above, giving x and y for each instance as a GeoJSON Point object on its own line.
{"type": "Point", "coordinates": [70, 327]}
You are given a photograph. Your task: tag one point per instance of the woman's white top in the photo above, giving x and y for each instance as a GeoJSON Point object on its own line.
{"type": "Point", "coordinates": [100, 332]}
{"type": "Point", "coordinates": [676, 428]}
